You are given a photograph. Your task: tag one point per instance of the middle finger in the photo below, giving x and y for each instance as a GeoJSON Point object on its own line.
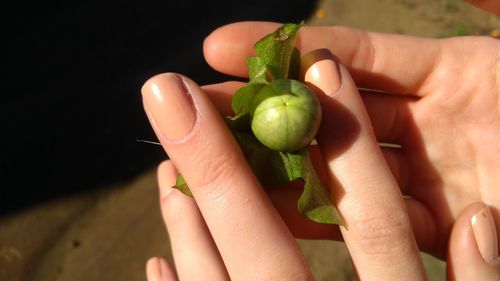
{"type": "Point", "coordinates": [379, 233]}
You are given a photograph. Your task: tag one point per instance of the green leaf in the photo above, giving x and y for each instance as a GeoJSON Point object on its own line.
{"type": "Point", "coordinates": [277, 58]}
{"type": "Point", "coordinates": [242, 99]}
{"type": "Point", "coordinates": [316, 201]}
{"type": "Point", "coordinates": [181, 185]}
{"type": "Point", "coordinates": [257, 70]}
{"type": "Point", "coordinates": [241, 104]}
{"type": "Point", "coordinates": [275, 51]}
{"type": "Point", "coordinates": [266, 164]}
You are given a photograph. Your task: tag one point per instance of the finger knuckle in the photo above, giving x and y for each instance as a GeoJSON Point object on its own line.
{"type": "Point", "coordinates": [215, 174]}
{"type": "Point", "coordinates": [173, 206]}
{"type": "Point", "coordinates": [382, 233]}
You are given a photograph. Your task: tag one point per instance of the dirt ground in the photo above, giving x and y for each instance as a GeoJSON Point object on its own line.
{"type": "Point", "coordinates": [436, 19]}
{"type": "Point", "coordinates": [108, 234]}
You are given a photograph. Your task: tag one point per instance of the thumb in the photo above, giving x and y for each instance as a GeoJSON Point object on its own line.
{"type": "Point", "coordinates": [473, 248]}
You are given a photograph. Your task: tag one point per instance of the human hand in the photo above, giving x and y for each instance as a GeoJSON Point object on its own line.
{"type": "Point", "coordinates": [231, 230]}
{"type": "Point", "coordinates": [465, 262]}
{"type": "Point", "coordinates": [443, 109]}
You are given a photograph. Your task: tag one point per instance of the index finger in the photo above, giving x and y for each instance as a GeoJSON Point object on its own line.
{"type": "Point", "coordinates": [388, 62]}
{"type": "Point", "coordinates": [253, 241]}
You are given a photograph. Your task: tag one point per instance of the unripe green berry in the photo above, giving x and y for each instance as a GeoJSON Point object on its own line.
{"type": "Point", "coordinates": [286, 115]}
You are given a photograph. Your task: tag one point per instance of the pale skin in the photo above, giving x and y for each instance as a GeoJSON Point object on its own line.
{"type": "Point", "coordinates": [444, 109]}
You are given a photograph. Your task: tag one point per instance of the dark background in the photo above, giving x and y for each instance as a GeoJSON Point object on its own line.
{"type": "Point", "coordinates": [70, 105]}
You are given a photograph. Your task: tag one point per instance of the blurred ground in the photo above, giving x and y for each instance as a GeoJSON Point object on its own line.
{"type": "Point", "coordinates": [108, 233]}
{"type": "Point", "coordinates": [438, 18]}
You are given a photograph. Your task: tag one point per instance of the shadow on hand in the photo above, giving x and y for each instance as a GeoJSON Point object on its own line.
{"type": "Point", "coordinates": [423, 181]}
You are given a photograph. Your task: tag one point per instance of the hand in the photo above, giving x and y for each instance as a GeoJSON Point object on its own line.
{"type": "Point", "coordinates": [231, 229]}
{"type": "Point", "coordinates": [465, 262]}
{"type": "Point", "coordinates": [443, 109]}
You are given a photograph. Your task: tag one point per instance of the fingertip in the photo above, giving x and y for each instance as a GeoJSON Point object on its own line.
{"type": "Point", "coordinates": [227, 47]}
{"type": "Point", "coordinates": [465, 260]}
{"type": "Point", "coordinates": [158, 269]}
{"type": "Point", "coordinates": [484, 229]}
{"type": "Point", "coordinates": [212, 45]}
{"type": "Point", "coordinates": [322, 69]}
{"type": "Point", "coordinates": [223, 50]}
{"type": "Point", "coordinates": [153, 269]}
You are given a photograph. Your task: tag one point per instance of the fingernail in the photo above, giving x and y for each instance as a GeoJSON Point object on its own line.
{"type": "Point", "coordinates": [485, 233]}
{"type": "Point", "coordinates": [321, 68]}
{"type": "Point", "coordinates": [169, 104]}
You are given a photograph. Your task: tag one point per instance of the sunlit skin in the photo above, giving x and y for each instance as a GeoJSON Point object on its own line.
{"type": "Point", "coordinates": [444, 109]}
{"type": "Point", "coordinates": [439, 100]}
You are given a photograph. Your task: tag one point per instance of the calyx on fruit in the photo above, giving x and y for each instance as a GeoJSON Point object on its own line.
{"type": "Point", "coordinates": [285, 115]}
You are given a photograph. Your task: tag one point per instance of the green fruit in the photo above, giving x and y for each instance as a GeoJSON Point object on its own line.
{"type": "Point", "coordinates": [285, 115]}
